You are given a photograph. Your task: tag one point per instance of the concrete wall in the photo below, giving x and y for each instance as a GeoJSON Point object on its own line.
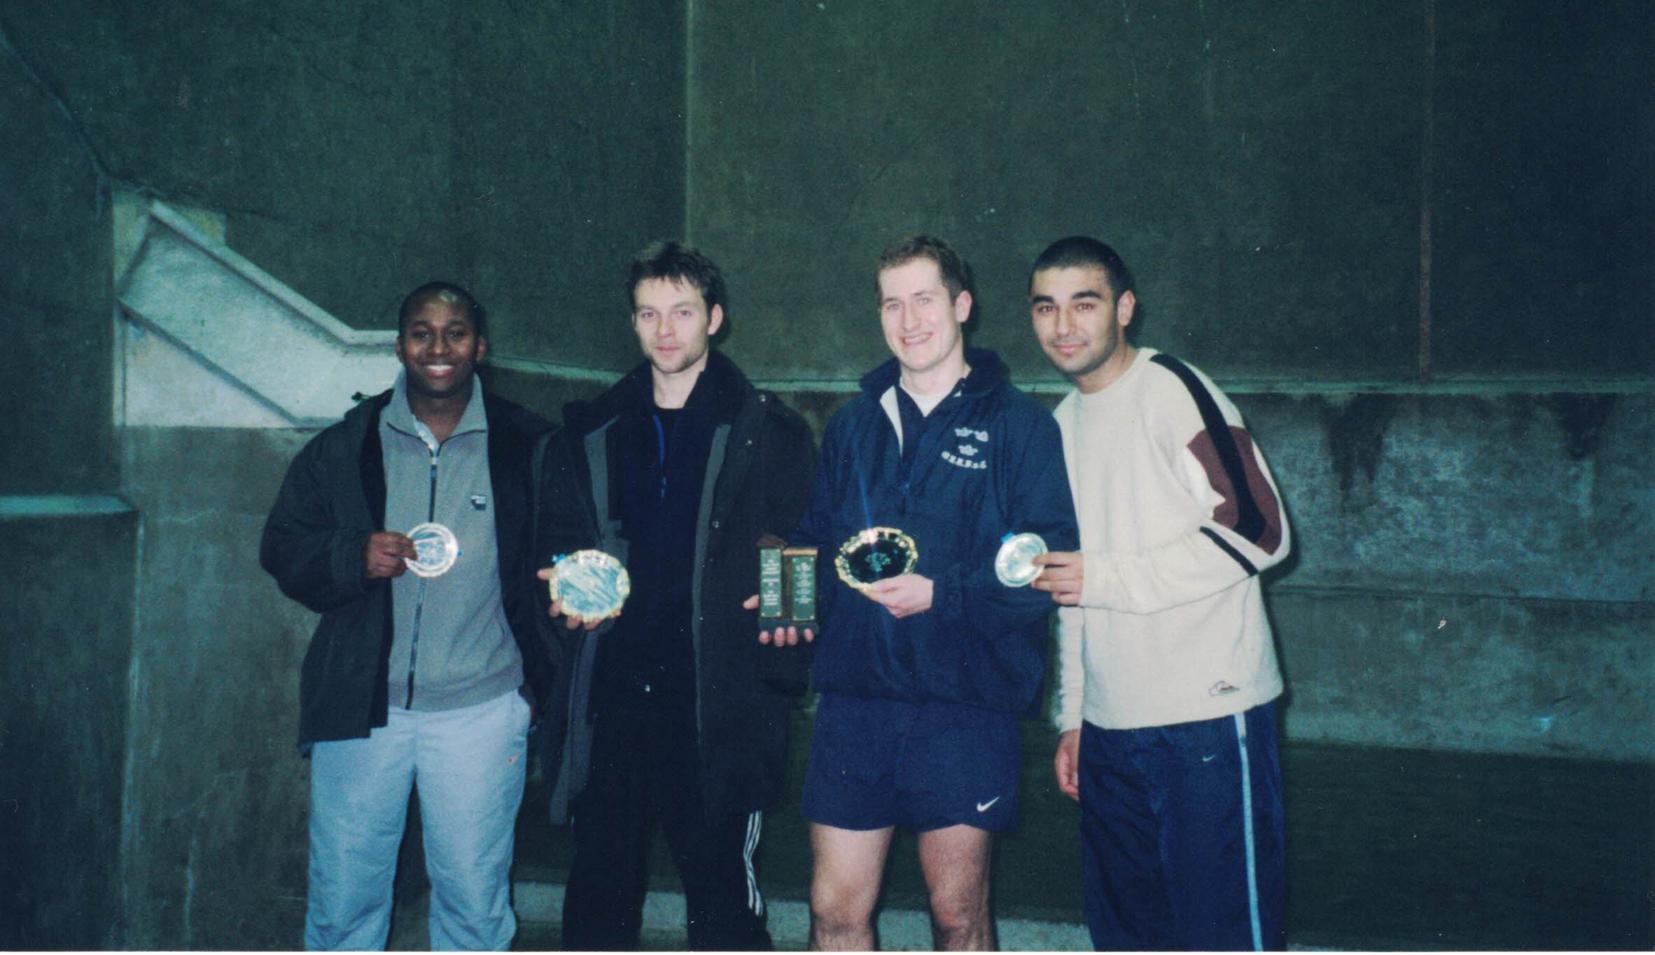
{"type": "Point", "coordinates": [1471, 571]}
{"type": "Point", "coordinates": [1326, 203]}
{"type": "Point", "coordinates": [354, 151]}
{"type": "Point", "coordinates": [66, 610]}
{"type": "Point", "coordinates": [55, 295]}
{"type": "Point", "coordinates": [361, 149]}
{"type": "Point", "coordinates": [1266, 168]}
{"type": "Point", "coordinates": [217, 797]}
{"type": "Point", "coordinates": [1414, 240]}
{"type": "Point", "coordinates": [67, 543]}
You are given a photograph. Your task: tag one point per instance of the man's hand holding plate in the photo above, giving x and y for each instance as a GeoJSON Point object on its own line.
{"type": "Point", "coordinates": [1063, 574]}
{"type": "Point", "coordinates": [902, 596]}
{"type": "Point", "coordinates": [385, 554]}
{"type": "Point", "coordinates": [572, 621]}
{"type": "Point", "coordinates": [587, 587]}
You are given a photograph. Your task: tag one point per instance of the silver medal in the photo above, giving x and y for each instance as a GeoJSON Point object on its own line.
{"type": "Point", "coordinates": [1014, 564]}
{"type": "Point", "coordinates": [436, 549]}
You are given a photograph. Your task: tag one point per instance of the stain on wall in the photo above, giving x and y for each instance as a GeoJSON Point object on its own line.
{"type": "Point", "coordinates": [1356, 437]}
{"type": "Point", "coordinates": [1582, 418]}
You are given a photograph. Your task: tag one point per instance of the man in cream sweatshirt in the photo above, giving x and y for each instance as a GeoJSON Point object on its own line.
{"type": "Point", "coordinates": [1168, 670]}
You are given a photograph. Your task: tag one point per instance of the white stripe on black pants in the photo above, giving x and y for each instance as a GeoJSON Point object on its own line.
{"type": "Point", "coordinates": [643, 778]}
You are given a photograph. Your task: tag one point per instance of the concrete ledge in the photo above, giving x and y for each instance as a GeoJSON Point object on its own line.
{"type": "Point", "coordinates": [1476, 674]}
{"type": "Point", "coordinates": [27, 506]}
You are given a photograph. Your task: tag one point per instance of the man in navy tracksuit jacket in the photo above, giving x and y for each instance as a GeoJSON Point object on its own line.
{"type": "Point", "coordinates": [924, 675]}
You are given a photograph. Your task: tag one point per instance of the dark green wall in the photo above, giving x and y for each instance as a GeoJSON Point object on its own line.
{"type": "Point", "coordinates": [56, 297]}
{"type": "Point", "coordinates": [66, 611]}
{"type": "Point", "coordinates": [361, 149]}
{"type": "Point", "coordinates": [1544, 193]}
{"type": "Point", "coordinates": [149, 793]}
{"type": "Point", "coordinates": [1472, 560]}
{"type": "Point", "coordinates": [1264, 166]}
{"type": "Point", "coordinates": [216, 796]}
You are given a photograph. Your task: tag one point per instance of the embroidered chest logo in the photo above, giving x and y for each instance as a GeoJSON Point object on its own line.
{"type": "Point", "coordinates": [968, 450]}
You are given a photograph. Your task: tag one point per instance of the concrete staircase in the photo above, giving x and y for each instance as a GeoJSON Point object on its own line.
{"type": "Point", "coordinates": [208, 339]}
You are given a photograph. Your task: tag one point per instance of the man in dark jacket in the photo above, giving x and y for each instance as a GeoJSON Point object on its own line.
{"type": "Point", "coordinates": [674, 715]}
{"type": "Point", "coordinates": [415, 676]}
{"type": "Point", "coordinates": [924, 674]}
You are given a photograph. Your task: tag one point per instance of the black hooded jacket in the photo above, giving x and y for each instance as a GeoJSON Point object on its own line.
{"type": "Point", "coordinates": [331, 500]}
{"type": "Point", "coordinates": [756, 482]}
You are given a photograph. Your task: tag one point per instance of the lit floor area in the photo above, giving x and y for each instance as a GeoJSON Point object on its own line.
{"type": "Point", "coordinates": [1387, 850]}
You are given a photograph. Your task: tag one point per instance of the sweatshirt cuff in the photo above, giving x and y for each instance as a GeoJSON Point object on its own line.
{"type": "Point", "coordinates": [1094, 589]}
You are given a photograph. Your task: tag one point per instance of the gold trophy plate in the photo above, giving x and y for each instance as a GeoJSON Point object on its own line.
{"type": "Point", "coordinates": [874, 555]}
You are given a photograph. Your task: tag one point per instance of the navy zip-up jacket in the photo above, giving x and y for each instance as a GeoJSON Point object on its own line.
{"type": "Point", "coordinates": [987, 461]}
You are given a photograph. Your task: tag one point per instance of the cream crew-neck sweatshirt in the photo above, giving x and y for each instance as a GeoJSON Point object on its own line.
{"type": "Point", "coordinates": [1178, 515]}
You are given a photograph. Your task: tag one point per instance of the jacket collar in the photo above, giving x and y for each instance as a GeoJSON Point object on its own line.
{"type": "Point", "coordinates": [399, 415]}
{"type": "Point", "coordinates": [717, 394]}
{"type": "Point", "coordinates": [987, 372]}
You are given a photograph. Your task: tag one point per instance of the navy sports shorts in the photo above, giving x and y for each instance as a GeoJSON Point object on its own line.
{"type": "Point", "coordinates": [877, 763]}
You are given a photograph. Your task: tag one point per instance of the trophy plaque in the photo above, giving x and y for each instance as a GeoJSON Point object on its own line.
{"type": "Point", "coordinates": [1014, 564]}
{"type": "Point", "coordinates": [772, 588]}
{"type": "Point", "coordinates": [590, 584]}
{"type": "Point", "coordinates": [875, 554]}
{"type": "Point", "coordinates": [435, 549]}
{"type": "Point", "coordinates": [799, 570]}
{"type": "Point", "coordinates": [787, 586]}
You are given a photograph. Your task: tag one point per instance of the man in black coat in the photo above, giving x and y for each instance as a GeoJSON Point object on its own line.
{"type": "Point", "coordinates": [420, 676]}
{"type": "Point", "coordinates": [674, 715]}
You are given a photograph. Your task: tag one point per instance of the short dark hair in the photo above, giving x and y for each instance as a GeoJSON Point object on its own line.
{"type": "Point", "coordinates": [449, 294]}
{"type": "Point", "coordinates": [676, 263]}
{"type": "Point", "coordinates": [1083, 251]}
{"type": "Point", "coordinates": [956, 274]}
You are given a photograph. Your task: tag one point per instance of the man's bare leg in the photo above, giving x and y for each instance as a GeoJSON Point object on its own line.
{"type": "Point", "coordinates": [956, 865]}
{"type": "Point", "coordinates": [844, 887]}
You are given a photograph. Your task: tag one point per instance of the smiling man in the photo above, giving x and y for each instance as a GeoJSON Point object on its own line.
{"type": "Point", "coordinates": [680, 718]}
{"type": "Point", "coordinates": [924, 674]}
{"type": "Point", "coordinates": [415, 680]}
{"type": "Point", "coordinates": [1168, 671]}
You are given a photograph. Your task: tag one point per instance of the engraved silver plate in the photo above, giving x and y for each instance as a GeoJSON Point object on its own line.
{"type": "Point", "coordinates": [590, 584]}
{"type": "Point", "coordinates": [436, 550]}
{"type": "Point", "coordinates": [1014, 564]}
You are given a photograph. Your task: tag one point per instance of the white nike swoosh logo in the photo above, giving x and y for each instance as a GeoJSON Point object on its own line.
{"type": "Point", "coordinates": [1208, 759]}
{"type": "Point", "coordinates": [983, 806]}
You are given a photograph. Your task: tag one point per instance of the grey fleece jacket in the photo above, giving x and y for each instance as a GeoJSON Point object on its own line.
{"type": "Point", "coordinates": [452, 646]}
